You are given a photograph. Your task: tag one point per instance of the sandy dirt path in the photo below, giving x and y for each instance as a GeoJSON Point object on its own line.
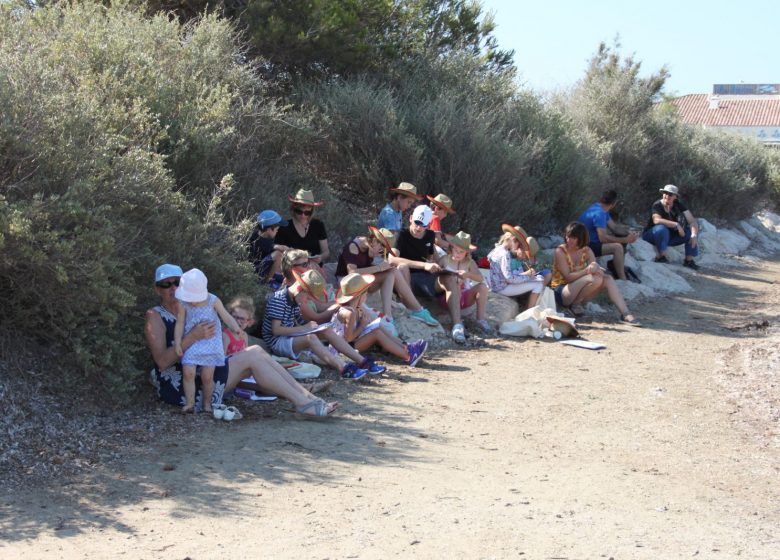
{"type": "Point", "coordinates": [664, 445]}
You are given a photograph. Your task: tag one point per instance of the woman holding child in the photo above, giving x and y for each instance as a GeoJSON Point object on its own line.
{"type": "Point", "coordinates": [578, 278]}
{"type": "Point", "coordinates": [159, 327]}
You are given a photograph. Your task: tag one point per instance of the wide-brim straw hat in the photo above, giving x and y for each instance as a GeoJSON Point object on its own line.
{"type": "Point", "coordinates": [462, 240]}
{"type": "Point", "coordinates": [193, 286]}
{"type": "Point", "coordinates": [352, 285]}
{"type": "Point", "coordinates": [533, 244]}
{"type": "Point", "coordinates": [304, 198]}
{"type": "Point", "coordinates": [407, 189]}
{"type": "Point", "coordinates": [519, 234]}
{"type": "Point", "coordinates": [384, 236]}
{"type": "Point", "coordinates": [312, 283]}
{"type": "Point", "coordinates": [442, 201]}
{"type": "Point", "coordinates": [563, 325]}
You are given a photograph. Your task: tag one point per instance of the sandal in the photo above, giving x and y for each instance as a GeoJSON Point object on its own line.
{"type": "Point", "coordinates": [634, 323]}
{"type": "Point", "coordinates": [319, 407]}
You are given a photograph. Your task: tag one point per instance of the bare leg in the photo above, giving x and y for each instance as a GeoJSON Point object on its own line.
{"type": "Point", "coordinates": [403, 288]}
{"type": "Point", "coordinates": [617, 298]}
{"type": "Point", "coordinates": [573, 292]}
{"type": "Point", "coordinates": [478, 294]}
{"type": "Point", "coordinates": [313, 343]}
{"type": "Point", "coordinates": [271, 376]}
{"type": "Point", "coordinates": [449, 285]}
{"type": "Point", "coordinates": [341, 345]}
{"type": "Point", "coordinates": [618, 257]}
{"type": "Point", "coordinates": [387, 281]}
{"type": "Point", "coordinates": [590, 291]}
{"type": "Point", "coordinates": [207, 382]}
{"type": "Point", "coordinates": [188, 381]}
{"type": "Point", "coordinates": [533, 297]}
{"type": "Point", "coordinates": [380, 337]}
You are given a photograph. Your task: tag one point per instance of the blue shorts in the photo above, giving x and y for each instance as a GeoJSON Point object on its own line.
{"type": "Point", "coordinates": [559, 295]}
{"type": "Point", "coordinates": [595, 246]}
{"type": "Point", "coordinates": [423, 283]}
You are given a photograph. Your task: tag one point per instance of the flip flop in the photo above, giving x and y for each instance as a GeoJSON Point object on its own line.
{"type": "Point", "coordinates": [634, 323]}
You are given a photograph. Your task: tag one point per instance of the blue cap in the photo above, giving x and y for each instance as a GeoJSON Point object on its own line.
{"type": "Point", "coordinates": [167, 271]}
{"type": "Point", "coordinates": [268, 218]}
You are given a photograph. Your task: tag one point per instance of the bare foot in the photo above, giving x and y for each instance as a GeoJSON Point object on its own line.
{"type": "Point", "coordinates": [188, 409]}
{"type": "Point", "coordinates": [318, 386]}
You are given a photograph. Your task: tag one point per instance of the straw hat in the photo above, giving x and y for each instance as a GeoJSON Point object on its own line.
{"type": "Point", "coordinates": [193, 286]}
{"type": "Point", "coordinates": [407, 189]}
{"type": "Point", "coordinates": [670, 189]}
{"type": "Point", "coordinates": [563, 325]}
{"type": "Point", "coordinates": [462, 240]}
{"type": "Point", "coordinates": [519, 234]}
{"type": "Point", "coordinates": [442, 201]}
{"type": "Point", "coordinates": [304, 198]}
{"type": "Point", "coordinates": [384, 236]}
{"type": "Point", "coordinates": [533, 244]}
{"type": "Point", "coordinates": [352, 285]}
{"type": "Point", "coordinates": [312, 283]}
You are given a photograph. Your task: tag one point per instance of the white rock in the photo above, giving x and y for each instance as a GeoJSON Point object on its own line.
{"type": "Point", "coordinates": [735, 242]}
{"type": "Point", "coordinates": [632, 290]}
{"type": "Point", "coordinates": [500, 309]}
{"type": "Point", "coordinates": [710, 243]}
{"type": "Point", "coordinates": [662, 278]}
{"type": "Point", "coordinates": [705, 226]}
{"type": "Point", "coordinates": [641, 250]}
{"type": "Point", "coordinates": [769, 220]}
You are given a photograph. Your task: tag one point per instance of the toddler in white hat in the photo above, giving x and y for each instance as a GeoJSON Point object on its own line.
{"type": "Point", "coordinates": [198, 306]}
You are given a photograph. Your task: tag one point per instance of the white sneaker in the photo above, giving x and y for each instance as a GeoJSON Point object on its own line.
{"type": "Point", "coordinates": [459, 333]}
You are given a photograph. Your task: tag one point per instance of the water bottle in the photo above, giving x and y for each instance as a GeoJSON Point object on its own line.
{"type": "Point", "coordinates": [553, 335]}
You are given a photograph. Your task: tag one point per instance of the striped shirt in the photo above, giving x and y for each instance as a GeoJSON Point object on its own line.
{"type": "Point", "coordinates": [281, 306]}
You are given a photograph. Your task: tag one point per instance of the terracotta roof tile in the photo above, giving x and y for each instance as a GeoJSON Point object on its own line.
{"type": "Point", "coordinates": [752, 111]}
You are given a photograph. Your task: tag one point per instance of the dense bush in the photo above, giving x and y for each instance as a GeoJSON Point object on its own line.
{"type": "Point", "coordinates": [112, 127]}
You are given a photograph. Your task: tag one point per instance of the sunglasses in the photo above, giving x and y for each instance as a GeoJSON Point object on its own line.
{"type": "Point", "coordinates": [241, 319]}
{"type": "Point", "coordinates": [419, 223]}
{"type": "Point", "coordinates": [304, 264]}
{"type": "Point", "coordinates": [166, 285]}
{"type": "Point", "coordinates": [302, 211]}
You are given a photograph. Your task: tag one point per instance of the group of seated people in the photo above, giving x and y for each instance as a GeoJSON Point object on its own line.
{"type": "Point", "coordinates": [305, 315]}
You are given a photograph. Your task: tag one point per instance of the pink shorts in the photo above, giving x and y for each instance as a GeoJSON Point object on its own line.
{"type": "Point", "coordinates": [464, 298]}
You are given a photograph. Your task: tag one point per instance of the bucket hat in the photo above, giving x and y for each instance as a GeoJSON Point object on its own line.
{"type": "Point", "coordinates": [407, 189]}
{"type": "Point", "coordinates": [670, 189]}
{"type": "Point", "coordinates": [442, 201]}
{"type": "Point", "coordinates": [193, 286]}
{"type": "Point", "coordinates": [352, 285]}
{"type": "Point", "coordinates": [304, 198]}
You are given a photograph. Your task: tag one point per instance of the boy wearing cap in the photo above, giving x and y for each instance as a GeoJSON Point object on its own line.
{"type": "Point", "coordinates": [671, 223]}
{"type": "Point", "coordinates": [415, 247]}
{"type": "Point", "coordinates": [391, 216]}
{"type": "Point", "coordinates": [263, 251]}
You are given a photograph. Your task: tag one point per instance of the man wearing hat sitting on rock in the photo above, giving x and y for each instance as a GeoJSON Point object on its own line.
{"type": "Point", "coordinates": [391, 216]}
{"type": "Point", "coordinates": [671, 223]}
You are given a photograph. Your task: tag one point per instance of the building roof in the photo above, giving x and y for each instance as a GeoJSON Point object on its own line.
{"type": "Point", "coordinates": [732, 110]}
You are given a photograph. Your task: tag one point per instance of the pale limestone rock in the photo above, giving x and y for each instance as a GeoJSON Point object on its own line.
{"type": "Point", "coordinates": [641, 250]}
{"type": "Point", "coordinates": [663, 278]}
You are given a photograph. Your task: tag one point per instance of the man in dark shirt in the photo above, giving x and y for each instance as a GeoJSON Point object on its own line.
{"type": "Point", "coordinates": [671, 223]}
{"type": "Point", "coordinates": [415, 253]}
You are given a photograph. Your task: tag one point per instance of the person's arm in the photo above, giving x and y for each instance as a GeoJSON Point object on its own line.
{"type": "Point", "coordinates": [473, 272]}
{"type": "Point", "coordinates": [349, 317]}
{"type": "Point", "coordinates": [324, 252]}
{"type": "Point", "coordinates": [178, 330]}
{"type": "Point", "coordinates": [278, 330]}
{"type": "Point", "coordinates": [165, 356]}
{"type": "Point", "coordinates": [228, 319]}
{"type": "Point", "coordinates": [657, 219]}
{"type": "Point", "coordinates": [312, 311]}
{"type": "Point", "coordinates": [694, 227]}
{"type": "Point", "coordinates": [606, 237]}
{"type": "Point", "coordinates": [563, 266]}
{"type": "Point", "coordinates": [225, 341]}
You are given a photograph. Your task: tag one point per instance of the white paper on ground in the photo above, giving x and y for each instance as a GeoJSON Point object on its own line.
{"type": "Point", "coordinates": [584, 344]}
{"type": "Point", "coordinates": [316, 329]}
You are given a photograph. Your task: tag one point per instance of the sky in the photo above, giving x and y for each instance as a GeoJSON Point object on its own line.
{"type": "Point", "coordinates": [701, 42]}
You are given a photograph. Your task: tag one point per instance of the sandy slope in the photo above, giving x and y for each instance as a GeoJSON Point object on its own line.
{"type": "Point", "coordinates": [664, 445]}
